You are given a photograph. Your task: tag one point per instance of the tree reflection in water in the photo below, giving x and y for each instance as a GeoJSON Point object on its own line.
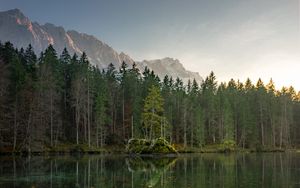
{"type": "Point", "coordinates": [153, 170]}
{"type": "Point", "coordinates": [191, 170]}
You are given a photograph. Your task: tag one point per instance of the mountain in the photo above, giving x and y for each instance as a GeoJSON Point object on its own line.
{"type": "Point", "coordinates": [171, 67]}
{"type": "Point", "coordinates": [19, 30]}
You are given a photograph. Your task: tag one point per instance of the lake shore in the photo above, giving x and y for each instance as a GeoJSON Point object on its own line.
{"type": "Point", "coordinates": [65, 149]}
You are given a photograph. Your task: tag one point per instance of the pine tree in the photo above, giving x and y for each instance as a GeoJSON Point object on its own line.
{"type": "Point", "coordinates": [65, 71]}
{"type": "Point", "coordinates": [153, 113]}
{"type": "Point", "coordinates": [49, 84]}
{"type": "Point", "coordinates": [260, 96]}
{"type": "Point", "coordinates": [134, 89]}
{"type": "Point", "coordinates": [101, 108]}
{"type": "Point", "coordinates": [113, 91]}
{"type": "Point", "coordinates": [195, 115]}
{"type": "Point", "coordinates": [17, 77]}
{"type": "Point", "coordinates": [272, 111]}
{"type": "Point", "coordinates": [209, 88]}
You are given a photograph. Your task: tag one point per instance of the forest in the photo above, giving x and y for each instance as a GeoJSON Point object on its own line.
{"type": "Point", "coordinates": [49, 99]}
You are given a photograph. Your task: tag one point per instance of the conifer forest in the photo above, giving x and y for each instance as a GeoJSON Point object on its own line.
{"type": "Point", "coordinates": [57, 98]}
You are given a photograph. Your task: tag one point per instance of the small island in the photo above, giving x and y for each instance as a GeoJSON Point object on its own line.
{"type": "Point", "coordinates": [154, 124]}
{"type": "Point", "coordinates": [155, 146]}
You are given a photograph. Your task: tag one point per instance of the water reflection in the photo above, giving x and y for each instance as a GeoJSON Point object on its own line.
{"type": "Point", "coordinates": [195, 170]}
{"type": "Point", "coordinates": [156, 168]}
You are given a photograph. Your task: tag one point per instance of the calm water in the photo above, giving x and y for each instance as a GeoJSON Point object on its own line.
{"type": "Point", "coordinates": [193, 170]}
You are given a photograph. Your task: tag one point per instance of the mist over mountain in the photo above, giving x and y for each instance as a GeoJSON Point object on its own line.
{"type": "Point", "coordinates": [21, 31]}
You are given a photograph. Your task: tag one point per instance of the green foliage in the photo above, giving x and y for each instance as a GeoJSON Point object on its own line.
{"type": "Point", "coordinates": [138, 146]}
{"type": "Point", "coordinates": [152, 116]}
{"type": "Point", "coordinates": [160, 145]}
{"type": "Point", "coordinates": [228, 146]}
{"type": "Point", "coordinates": [17, 75]}
{"type": "Point", "coordinates": [50, 100]}
{"type": "Point", "coordinates": [144, 146]}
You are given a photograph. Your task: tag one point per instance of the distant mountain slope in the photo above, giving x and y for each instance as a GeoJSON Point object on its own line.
{"type": "Point", "coordinates": [18, 29]}
{"type": "Point", "coordinates": [171, 67]}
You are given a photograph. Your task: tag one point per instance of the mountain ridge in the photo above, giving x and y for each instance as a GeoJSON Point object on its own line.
{"type": "Point", "coordinates": [21, 31]}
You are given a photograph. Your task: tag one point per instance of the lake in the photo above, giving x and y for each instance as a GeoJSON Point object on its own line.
{"type": "Point", "coordinates": [187, 170]}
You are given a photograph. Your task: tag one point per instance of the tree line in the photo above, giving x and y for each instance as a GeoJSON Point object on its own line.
{"type": "Point", "coordinates": [51, 99]}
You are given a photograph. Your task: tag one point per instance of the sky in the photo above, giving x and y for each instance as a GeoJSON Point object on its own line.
{"type": "Point", "coordinates": [234, 38]}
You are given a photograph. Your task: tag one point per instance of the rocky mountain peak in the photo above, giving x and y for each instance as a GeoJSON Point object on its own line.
{"type": "Point", "coordinates": [16, 15]}
{"type": "Point", "coordinates": [14, 12]}
{"type": "Point", "coordinates": [19, 30]}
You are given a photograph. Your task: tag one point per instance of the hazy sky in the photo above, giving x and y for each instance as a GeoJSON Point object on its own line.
{"type": "Point", "coordinates": [234, 38]}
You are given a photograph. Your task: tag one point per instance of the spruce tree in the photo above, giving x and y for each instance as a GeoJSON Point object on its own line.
{"type": "Point", "coordinates": [153, 113]}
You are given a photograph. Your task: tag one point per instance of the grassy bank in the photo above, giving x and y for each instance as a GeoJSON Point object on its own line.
{"type": "Point", "coordinates": [63, 149]}
{"type": "Point", "coordinates": [219, 148]}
